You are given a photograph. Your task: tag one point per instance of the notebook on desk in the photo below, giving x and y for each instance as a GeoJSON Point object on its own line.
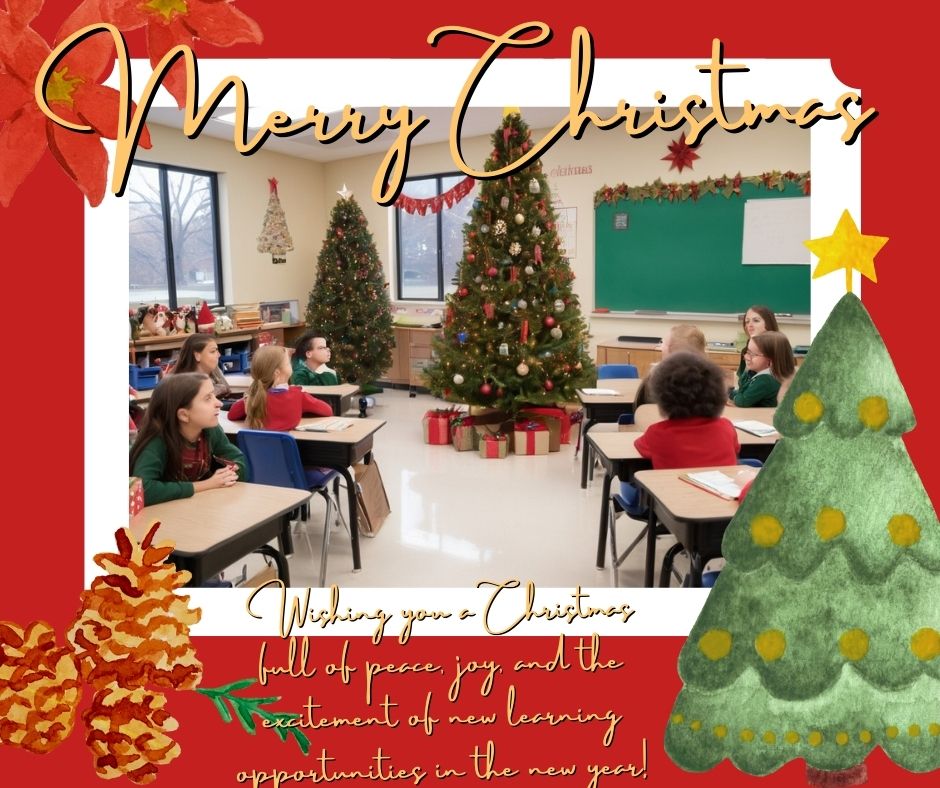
{"type": "Point", "coordinates": [600, 392]}
{"type": "Point", "coordinates": [715, 482]}
{"type": "Point", "coordinates": [757, 428]}
{"type": "Point", "coordinates": [334, 425]}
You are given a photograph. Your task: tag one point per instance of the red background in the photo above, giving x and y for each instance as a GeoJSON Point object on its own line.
{"type": "Point", "coordinates": [885, 58]}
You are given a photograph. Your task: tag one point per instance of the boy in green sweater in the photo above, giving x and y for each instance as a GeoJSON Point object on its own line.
{"type": "Point", "coordinates": [311, 356]}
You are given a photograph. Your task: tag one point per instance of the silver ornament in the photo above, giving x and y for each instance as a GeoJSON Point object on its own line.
{"type": "Point", "coordinates": [458, 379]}
{"type": "Point", "coordinates": [478, 279]}
{"type": "Point", "coordinates": [484, 228]}
{"type": "Point", "coordinates": [529, 270]}
{"type": "Point", "coordinates": [504, 202]}
{"type": "Point", "coordinates": [522, 303]}
{"type": "Point", "coordinates": [519, 218]}
{"type": "Point", "coordinates": [556, 332]}
{"type": "Point", "coordinates": [536, 231]}
{"type": "Point", "coordinates": [522, 370]}
{"type": "Point", "coordinates": [534, 187]}
{"type": "Point", "coordinates": [559, 305]}
{"type": "Point", "coordinates": [503, 349]}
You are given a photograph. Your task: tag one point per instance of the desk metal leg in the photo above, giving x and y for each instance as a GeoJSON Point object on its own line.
{"type": "Point", "coordinates": [650, 547]}
{"type": "Point", "coordinates": [605, 513]}
{"type": "Point", "coordinates": [283, 572]}
{"type": "Point", "coordinates": [353, 517]}
{"type": "Point", "coordinates": [586, 452]}
{"type": "Point", "coordinates": [695, 570]}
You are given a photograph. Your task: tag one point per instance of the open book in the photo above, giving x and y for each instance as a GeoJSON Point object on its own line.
{"type": "Point", "coordinates": [600, 392]}
{"type": "Point", "coordinates": [333, 425]}
{"type": "Point", "coordinates": [757, 428]}
{"type": "Point", "coordinates": [715, 482]}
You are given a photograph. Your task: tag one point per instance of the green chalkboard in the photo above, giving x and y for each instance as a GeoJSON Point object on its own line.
{"type": "Point", "coordinates": [686, 257]}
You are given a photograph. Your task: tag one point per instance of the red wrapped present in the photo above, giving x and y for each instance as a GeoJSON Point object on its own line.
{"type": "Point", "coordinates": [559, 415]}
{"type": "Point", "coordinates": [494, 446]}
{"type": "Point", "coordinates": [136, 486]}
{"type": "Point", "coordinates": [530, 437]}
{"type": "Point", "coordinates": [437, 425]}
{"type": "Point", "coordinates": [462, 432]}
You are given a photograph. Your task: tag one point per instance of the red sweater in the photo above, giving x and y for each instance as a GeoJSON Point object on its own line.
{"type": "Point", "coordinates": [688, 443]}
{"type": "Point", "coordinates": [285, 408]}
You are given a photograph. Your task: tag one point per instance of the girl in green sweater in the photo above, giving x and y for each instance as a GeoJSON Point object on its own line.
{"type": "Point", "coordinates": [768, 359]}
{"type": "Point", "coordinates": [180, 448]}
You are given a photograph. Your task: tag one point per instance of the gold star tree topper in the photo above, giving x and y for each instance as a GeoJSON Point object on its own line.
{"type": "Point", "coordinates": [846, 248]}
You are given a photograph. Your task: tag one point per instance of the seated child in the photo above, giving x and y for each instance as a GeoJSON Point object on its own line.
{"type": "Point", "coordinates": [200, 353]}
{"type": "Point", "coordinates": [681, 338]}
{"type": "Point", "coordinates": [690, 391]}
{"type": "Point", "coordinates": [310, 362]}
{"type": "Point", "coordinates": [769, 362]}
{"type": "Point", "coordinates": [180, 448]}
{"type": "Point", "coordinates": [270, 403]}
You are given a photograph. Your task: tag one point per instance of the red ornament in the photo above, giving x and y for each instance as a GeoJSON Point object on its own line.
{"type": "Point", "coordinates": [500, 392]}
{"type": "Point", "coordinates": [492, 271]}
{"type": "Point", "coordinates": [680, 154]}
{"type": "Point", "coordinates": [548, 385]}
{"type": "Point", "coordinates": [549, 321]}
{"type": "Point", "coordinates": [339, 232]}
{"type": "Point", "coordinates": [472, 234]}
{"type": "Point", "coordinates": [471, 257]}
{"type": "Point", "coordinates": [463, 292]}
{"type": "Point", "coordinates": [486, 389]}
{"type": "Point", "coordinates": [524, 331]}
{"type": "Point", "coordinates": [489, 310]}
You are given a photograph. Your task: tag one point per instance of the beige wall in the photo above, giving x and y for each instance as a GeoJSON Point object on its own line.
{"type": "Point", "coordinates": [612, 158]}
{"type": "Point", "coordinates": [249, 275]}
{"type": "Point", "coordinates": [308, 192]}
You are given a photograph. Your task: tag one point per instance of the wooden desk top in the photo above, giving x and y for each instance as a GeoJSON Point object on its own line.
{"type": "Point", "coordinates": [626, 387]}
{"type": "Point", "coordinates": [242, 383]}
{"type": "Point", "coordinates": [360, 429]}
{"type": "Point", "coordinates": [685, 501]}
{"type": "Point", "coordinates": [649, 414]}
{"type": "Point", "coordinates": [619, 445]}
{"type": "Point", "coordinates": [199, 523]}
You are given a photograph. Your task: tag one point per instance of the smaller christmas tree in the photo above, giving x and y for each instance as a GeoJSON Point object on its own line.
{"type": "Point", "coordinates": [275, 238]}
{"type": "Point", "coordinates": [349, 303]}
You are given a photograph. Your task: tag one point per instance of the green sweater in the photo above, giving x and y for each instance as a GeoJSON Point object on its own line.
{"type": "Point", "coordinates": [151, 465]}
{"type": "Point", "coordinates": [757, 391]}
{"type": "Point", "coordinates": [304, 376]}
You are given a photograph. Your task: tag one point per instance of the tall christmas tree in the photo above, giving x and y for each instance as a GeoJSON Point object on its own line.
{"type": "Point", "coordinates": [513, 332]}
{"type": "Point", "coordinates": [821, 638]}
{"type": "Point", "coordinates": [275, 238]}
{"type": "Point", "coordinates": [349, 303]}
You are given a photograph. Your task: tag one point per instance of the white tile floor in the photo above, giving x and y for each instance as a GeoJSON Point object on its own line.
{"type": "Point", "coordinates": [457, 519]}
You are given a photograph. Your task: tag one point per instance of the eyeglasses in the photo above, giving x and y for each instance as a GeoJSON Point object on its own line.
{"type": "Point", "coordinates": [749, 354]}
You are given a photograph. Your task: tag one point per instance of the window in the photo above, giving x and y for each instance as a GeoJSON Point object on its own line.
{"type": "Point", "coordinates": [431, 246]}
{"type": "Point", "coordinates": [174, 236]}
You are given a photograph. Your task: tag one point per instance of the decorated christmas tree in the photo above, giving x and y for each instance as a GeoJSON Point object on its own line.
{"type": "Point", "coordinates": [513, 332]}
{"type": "Point", "coordinates": [275, 238]}
{"type": "Point", "coordinates": [821, 638]}
{"type": "Point", "coordinates": [349, 303]}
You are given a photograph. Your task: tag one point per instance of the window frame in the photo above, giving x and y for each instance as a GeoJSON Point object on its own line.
{"type": "Point", "coordinates": [163, 173]}
{"type": "Point", "coordinates": [439, 219]}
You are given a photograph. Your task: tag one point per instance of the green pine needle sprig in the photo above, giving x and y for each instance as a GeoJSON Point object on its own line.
{"type": "Point", "coordinates": [246, 708]}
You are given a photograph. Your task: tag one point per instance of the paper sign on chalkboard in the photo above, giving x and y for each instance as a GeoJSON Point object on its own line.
{"type": "Point", "coordinates": [774, 231]}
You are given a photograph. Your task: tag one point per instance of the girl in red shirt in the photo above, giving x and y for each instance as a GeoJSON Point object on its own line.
{"type": "Point", "coordinates": [271, 404]}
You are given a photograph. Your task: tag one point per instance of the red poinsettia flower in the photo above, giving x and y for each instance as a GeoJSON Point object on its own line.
{"type": "Point", "coordinates": [170, 23]}
{"type": "Point", "coordinates": [73, 92]}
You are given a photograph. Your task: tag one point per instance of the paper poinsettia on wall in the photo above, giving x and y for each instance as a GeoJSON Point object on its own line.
{"type": "Point", "coordinates": [275, 238]}
{"type": "Point", "coordinates": [821, 639]}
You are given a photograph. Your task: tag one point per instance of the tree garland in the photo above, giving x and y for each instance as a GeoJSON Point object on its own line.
{"type": "Point", "coordinates": [678, 192]}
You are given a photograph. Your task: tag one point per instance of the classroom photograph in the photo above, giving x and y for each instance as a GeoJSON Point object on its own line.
{"type": "Point", "coordinates": [564, 372]}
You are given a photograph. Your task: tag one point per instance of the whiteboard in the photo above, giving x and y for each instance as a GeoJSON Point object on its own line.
{"type": "Point", "coordinates": [774, 231]}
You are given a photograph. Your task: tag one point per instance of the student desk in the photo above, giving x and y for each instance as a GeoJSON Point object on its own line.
{"type": "Point", "coordinates": [215, 528]}
{"type": "Point", "coordinates": [335, 450]}
{"type": "Point", "coordinates": [649, 414]}
{"type": "Point", "coordinates": [338, 397]}
{"type": "Point", "coordinates": [605, 409]}
{"type": "Point", "coordinates": [619, 457]}
{"type": "Point", "coordinates": [696, 518]}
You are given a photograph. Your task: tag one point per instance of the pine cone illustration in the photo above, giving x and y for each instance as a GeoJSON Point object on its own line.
{"type": "Point", "coordinates": [127, 733]}
{"type": "Point", "coordinates": [39, 687]}
{"type": "Point", "coordinates": [133, 629]}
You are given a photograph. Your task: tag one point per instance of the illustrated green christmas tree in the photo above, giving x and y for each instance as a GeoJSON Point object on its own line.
{"type": "Point", "coordinates": [513, 332]}
{"type": "Point", "coordinates": [821, 638]}
{"type": "Point", "coordinates": [349, 303]}
{"type": "Point", "coordinates": [275, 238]}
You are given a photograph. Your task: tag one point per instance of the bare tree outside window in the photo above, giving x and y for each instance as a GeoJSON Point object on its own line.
{"type": "Point", "coordinates": [174, 249]}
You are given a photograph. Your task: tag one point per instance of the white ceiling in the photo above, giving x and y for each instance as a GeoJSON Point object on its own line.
{"type": "Point", "coordinates": [477, 122]}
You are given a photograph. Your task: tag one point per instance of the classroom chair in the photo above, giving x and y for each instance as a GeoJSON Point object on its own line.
{"type": "Point", "coordinates": [605, 371]}
{"type": "Point", "coordinates": [274, 458]}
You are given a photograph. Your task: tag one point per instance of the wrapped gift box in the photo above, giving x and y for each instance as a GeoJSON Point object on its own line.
{"type": "Point", "coordinates": [136, 486]}
{"type": "Point", "coordinates": [463, 434]}
{"type": "Point", "coordinates": [559, 416]}
{"type": "Point", "coordinates": [437, 425]}
{"type": "Point", "coordinates": [530, 437]}
{"type": "Point", "coordinates": [494, 447]}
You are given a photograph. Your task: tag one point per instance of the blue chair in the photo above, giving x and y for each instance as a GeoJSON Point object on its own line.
{"type": "Point", "coordinates": [605, 371]}
{"type": "Point", "coordinates": [274, 458]}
